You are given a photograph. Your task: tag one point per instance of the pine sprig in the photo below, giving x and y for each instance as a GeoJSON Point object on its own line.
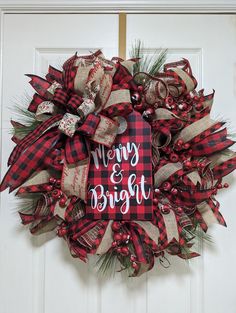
{"type": "Point", "coordinates": [151, 64]}
{"type": "Point", "coordinates": [26, 118]}
{"type": "Point", "coordinates": [106, 263]}
{"type": "Point", "coordinates": [28, 203]}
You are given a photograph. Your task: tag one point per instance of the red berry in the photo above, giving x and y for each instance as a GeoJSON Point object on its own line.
{"type": "Point", "coordinates": [157, 191]}
{"type": "Point", "coordinates": [125, 237]}
{"type": "Point", "coordinates": [219, 186]}
{"type": "Point", "coordinates": [226, 185]}
{"type": "Point", "coordinates": [49, 188]}
{"type": "Point", "coordinates": [117, 237]}
{"type": "Point", "coordinates": [180, 143]}
{"type": "Point", "coordinates": [118, 250]}
{"type": "Point", "coordinates": [166, 150]}
{"type": "Point", "coordinates": [199, 106]}
{"type": "Point", "coordinates": [135, 265]}
{"type": "Point", "coordinates": [202, 165]}
{"type": "Point", "coordinates": [116, 226]}
{"type": "Point", "coordinates": [174, 191]}
{"type": "Point", "coordinates": [174, 157]}
{"type": "Point", "coordinates": [62, 202]}
{"type": "Point", "coordinates": [179, 210]}
{"type": "Point", "coordinates": [155, 201]}
{"type": "Point", "coordinates": [165, 209]}
{"type": "Point", "coordinates": [125, 250]}
{"type": "Point", "coordinates": [58, 182]}
{"type": "Point", "coordinates": [61, 232]}
{"type": "Point", "coordinates": [114, 244]}
{"type": "Point", "coordinates": [149, 111]}
{"type": "Point", "coordinates": [166, 186]}
{"type": "Point", "coordinates": [187, 164]}
{"type": "Point", "coordinates": [196, 98]}
{"type": "Point", "coordinates": [56, 194]}
{"type": "Point", "coordinates": [169, 100]}
{"type": "Point", "coordinates": [186, 146]}
{"type": "Point", "coordinates": [132, 258]}
{"type": "Point", "coordinates": [140, 88]}
{"type": "Point", "coordinates": [52, 180]}
{"type": "Point", "coordinates": [188, 96]}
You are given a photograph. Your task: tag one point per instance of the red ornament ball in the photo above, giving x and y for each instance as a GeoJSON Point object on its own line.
{"type": "Point", "coordinates": [115, 226]}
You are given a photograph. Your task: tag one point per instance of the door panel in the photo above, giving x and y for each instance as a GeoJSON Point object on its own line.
{"type": "Point", "coordinates": [208, 284]}
{"type": "Point", "coordinates": [37, 273]}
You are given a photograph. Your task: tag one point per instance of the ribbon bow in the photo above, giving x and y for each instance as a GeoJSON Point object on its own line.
{"type": "Point", "coordinates": [77, 103]}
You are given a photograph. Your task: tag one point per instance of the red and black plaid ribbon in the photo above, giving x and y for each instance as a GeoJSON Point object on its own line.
{"type": "Point", "coordinates": [30, 160]}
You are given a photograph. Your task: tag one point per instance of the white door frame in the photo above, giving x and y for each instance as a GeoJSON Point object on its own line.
{"type": "Point", "coordinates": [110, 6]}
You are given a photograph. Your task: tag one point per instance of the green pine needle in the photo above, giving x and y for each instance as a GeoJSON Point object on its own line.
{"type": "Point", "coordinates": [106, 263]}
{"type": "Point", "coordinates": [28, 203]}
{"type": "Point", "coordinates": [26, 118]}
{"type": "Point", "coordinates": [151, 64]}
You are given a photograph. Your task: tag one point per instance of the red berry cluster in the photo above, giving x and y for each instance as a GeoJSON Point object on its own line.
{"type": "Point", "coordinates": [56, 192]}
{"type": "Point", "coordinates": [121, 238]}
{"type": "Point", "coordinates": [180, 106]}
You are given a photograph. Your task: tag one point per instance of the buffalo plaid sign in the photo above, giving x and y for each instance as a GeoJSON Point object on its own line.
{"type": "Point", "coordinates": [120, 178]}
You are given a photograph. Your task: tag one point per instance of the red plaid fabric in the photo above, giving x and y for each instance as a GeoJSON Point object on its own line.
{"type": "Point", "coordinates": [118, 109]}
{"type": "Point", "coordinates": [196, 116]}
{"type": "Point", "coordinates": [138, 246]}
{"type": "Point", "coordinates": [32, 137]}
{"type": "Point", "coordinates": [76, 250]}
{"type": "Point", "coordinates": [31, 159]}
{"type": "Point", "coordinates": [192, 197]}
{"type": "Point", "coordinates": [60, 97]}
{"type": "Point", "coordinates": [54, 75]}
{"type": "Point", "coordinates": [37, 99]}
{"type": "Point", "coordinates": [75, 149]}
{"type": "Point", "coordinates": [73, 103]}
{"type": "Point", "coordinates": [159, 222]}
{"type": "Point", "coordinates": [40, 85]}
{"type": "Point", "coordinates": [100, 181]}
{"type": "Point", "coordinates": [180, 228]}
{"type": "Point", "coordinates": [144, 237]}
{"type": "Point", "coordinates": [93, 237]}
{"type": "Point", "coordinates": [224, 169]}
{"type": "Point", "coordinates": [54, 160]}
{"type": "Point", "coordinates": [215, 205]}
{"type": "Point", "coordinates": [206, 133]}
{"type": "Point", "coordinates": [88, 128]}
{"type": "Point", "coordinates": [74, 211]}
{"type": "Point", "coordinates": [167, 126]}
{"type": "Point", "coordinates": [121, 77]}
{"type": "Point", "coordinates": [200, 220]}
{"type": "Point", "coordinates": [69, 73]}
{"type": "Point", "coordinates": [214, 143]}
{"type": "Point", "coordinates": [80, 227]}
{"type": "Point", "coordinates": [32, 189]}
{"type": "Point", "coordinates": [179, 82]}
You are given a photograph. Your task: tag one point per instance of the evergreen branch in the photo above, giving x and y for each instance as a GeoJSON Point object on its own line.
{"type": "Point", "coordinates": [106, 263]}
{"type": "Point", "coordinates": [150, 64]}
{"type": "Point", "coordinates": [26, 118]}
{"type": "Point", "coordinates": [28, 203]}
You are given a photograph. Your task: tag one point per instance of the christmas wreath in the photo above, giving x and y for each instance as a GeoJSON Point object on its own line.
{"type": "Point", "coordinates": [121, 159]}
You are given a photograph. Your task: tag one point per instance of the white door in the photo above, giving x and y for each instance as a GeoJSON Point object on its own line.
{"type": "Point", "coordinates": [38, 275]}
